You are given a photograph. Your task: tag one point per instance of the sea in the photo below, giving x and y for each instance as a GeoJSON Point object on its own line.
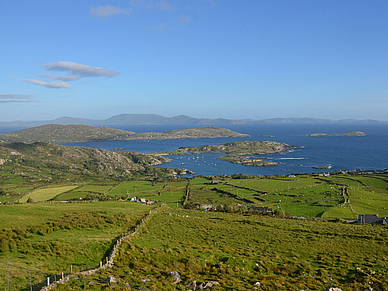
{"type": "Point", "coordinates": [365, 153]}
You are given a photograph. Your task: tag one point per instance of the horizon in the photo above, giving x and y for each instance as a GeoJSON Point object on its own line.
{"type": "Point", "coordinates": [317, 120]}
{"type": "Point", "coordinates": [209, 59]}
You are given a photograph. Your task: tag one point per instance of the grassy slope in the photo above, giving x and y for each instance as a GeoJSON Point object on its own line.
{"type": "Point", "coordinates": [238, 251]}
{"type": "Point", "coordinates": [53, 236]}
{"type": "Point", "coordinates": [46, 193]}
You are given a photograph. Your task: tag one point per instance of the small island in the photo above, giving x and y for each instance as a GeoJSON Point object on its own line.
{"type": "Point", "coordinates": [352, 133]}
{"type": "Point", "coordinates": [54, 133]}
{"type": "Point", "coordinates": [248, 161]}
{"type": "Point", "coordinates": [240, 152]}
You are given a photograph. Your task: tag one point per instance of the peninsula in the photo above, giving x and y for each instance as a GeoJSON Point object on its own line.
{"type": "Point", "coordinates": [352, 133]}
{"type": "Point", "coordinates": [45, 162]}
{"type": "Point", "coordinates": [54, 133]}
{"type": "Point", "coordinates": [239, 152]}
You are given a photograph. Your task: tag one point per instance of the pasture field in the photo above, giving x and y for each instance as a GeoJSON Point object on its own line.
{"type": "Point", "coordinates": [309, 196]}
{"type": "Point", "coordinates": [53, 236]}
{"type": "Point", "coordinates": [136, 187]}
{"type": "Point", "coordinates": [237, 251]}
{"type": "Point", "coordinates": [234, 249]}
{"type": "Point", "coordinates": [84, 191]}
{"type": "Point", "coordinates": [46, 194]}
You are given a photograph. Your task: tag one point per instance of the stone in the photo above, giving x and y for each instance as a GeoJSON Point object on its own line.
{"type": "Point", "coordinates": [333, 289]}
{"type": "Point", "coordinates": [192, 284]}
{"type": "Point", "coordinates": [110, 280]}
{"type": "Point", "coordinates": [175, 276]}
{"type": "Point", "coordinates": [146, 280]}
{"type": "Point", "coordinates": [207, 285]}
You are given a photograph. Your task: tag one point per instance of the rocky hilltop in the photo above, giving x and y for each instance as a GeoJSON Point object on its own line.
{"type": "Point", "coordinates": [352, 133]}
{"type": "Point", "coordinates": [237, 152]}
{"type": "Point", "coordinates": [198, 132]}
{"type": "Point", "coordinates": [39, 162]}
{"type": "Point", "coordinates": [82, 133]}
{"type": "Point", "coordinates": [240, 148]}
{"type": "Point", "coordinates": [65, 133]}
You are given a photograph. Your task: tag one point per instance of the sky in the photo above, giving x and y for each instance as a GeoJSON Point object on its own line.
{"type": "Point", "coordinates": [231, 59]}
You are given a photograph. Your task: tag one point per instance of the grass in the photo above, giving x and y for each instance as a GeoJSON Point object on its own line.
{"type": "Point", "coordinates": [54, 236]}
{"type": "Point", "coordinates": [237, 251]}
{"type": "Point", "coordinates": [283, 254]}
{"type": "Point", "coordinates": [46, 193]}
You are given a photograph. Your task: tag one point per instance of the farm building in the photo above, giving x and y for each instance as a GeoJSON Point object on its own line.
{"type": "Point", "coordinates": [371, 218]}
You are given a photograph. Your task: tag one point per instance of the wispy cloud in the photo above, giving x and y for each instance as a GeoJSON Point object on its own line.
{"type": "Point", "coordinates": [51, 85]}
{"type": "Point", "coordinates": [80, 70]}
{"type": "Point", "coordinates": [7, 98]}
{"type": "Point", "coordinates": [60, 78]}
{"type": "Point", "coordinates": [108, 10]}
{"type": "Point", "coordinates": [151, 4]}
{"type": "Point", "coordinates": [157, 27]}
{"type": "Point", "coordinates": [184, 20]}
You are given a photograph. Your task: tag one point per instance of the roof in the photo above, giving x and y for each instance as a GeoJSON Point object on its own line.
{"type": "Point", "coordinates": [371, 218]}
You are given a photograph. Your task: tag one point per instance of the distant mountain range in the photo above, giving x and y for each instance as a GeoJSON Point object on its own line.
{"type": "Point", "coordinates": [142, 119]}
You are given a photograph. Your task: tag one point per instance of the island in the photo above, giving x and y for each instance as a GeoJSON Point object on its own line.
{"type": "Point", "coordinates": [352, 133]}
{"type": "Point", "coordinates": [239, 152]}
{"type": "Point", "coordinates": [55, 133]}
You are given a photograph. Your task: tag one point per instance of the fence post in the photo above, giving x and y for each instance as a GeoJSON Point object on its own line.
{"type": "Point", "coordinates": [8, 279]}
{"type": "Point", "coordinates": [48, 281]}
{"type": "Point", "coordinates": [55, 281]}
{"type": "Point", "coordinates": [30, 280]}
{"type": "Point", "coordinates": [84, 285]}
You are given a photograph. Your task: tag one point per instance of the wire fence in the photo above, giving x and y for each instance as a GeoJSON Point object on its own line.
{"type": "Point", "coordinates": [20, 278]}
{"type": "Point", "coordinates": [13, 277]}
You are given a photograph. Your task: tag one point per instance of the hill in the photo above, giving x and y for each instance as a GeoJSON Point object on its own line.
{"type": "Point", "coordinates": [198, 132]}
{"type": "Point", "coordinates": [82, 133]}
{"type": "Point", "coordinates": [237, 152]}
{"type": "Point", "coordinates": [240, 148]}
{"type": "Point", "coordinates": [40, 162]}
{"type": "Point", "coordinates": [65, 133]}
{"type": "Point", "coordinates": [138, 119]}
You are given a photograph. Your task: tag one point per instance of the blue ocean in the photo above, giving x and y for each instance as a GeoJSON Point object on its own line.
{"type": "Point", "coordinates": [340, 153]}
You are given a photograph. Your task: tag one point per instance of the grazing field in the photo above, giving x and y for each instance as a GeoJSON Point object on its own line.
{"type": "Point", "coordinates": [45, 193]}
{"type": "Point", "coordinates": [291, 247]}
{"type": "Point", "coordinates": [55, 236]}
{"type": "Point", "coordinates": [84, 191]}
{"type": "Point", "coordinates": [237, 251]}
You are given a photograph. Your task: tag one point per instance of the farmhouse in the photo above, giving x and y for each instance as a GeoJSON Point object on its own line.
{"type": "Point", "coordinates": [371, 218]}
{"type": "Point", "coordinates": [262, 209]}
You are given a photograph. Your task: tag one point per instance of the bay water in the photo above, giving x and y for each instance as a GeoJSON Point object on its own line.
{"type": "Point", "coordinates": [339, 152]}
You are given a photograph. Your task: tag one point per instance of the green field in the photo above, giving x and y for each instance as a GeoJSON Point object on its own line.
{"type": "Point", "coordinates": [227, 244]}
{"type": "Point", "coordinates": [45, 193]}
{"type": "Point", "coordinates": [54, 236]}
{"type": "Point", "coordinates": [238, 251]}
{"type": "Point", "coordinates": [84, 191]}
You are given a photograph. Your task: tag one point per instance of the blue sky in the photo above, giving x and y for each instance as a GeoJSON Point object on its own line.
{"type": "Point", "coordinates": [203, 58]}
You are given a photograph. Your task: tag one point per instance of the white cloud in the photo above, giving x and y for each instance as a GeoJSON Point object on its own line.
{"type": "Point", "coordinates": [6, 98]}
{"type": "Point", "coordinates": [80, 70]}
{"type": "Point", "coordinates": [108, 10]}
{"type": "Point", "coordinates": [55, 85]}
{"type": "Point", "coordinates": [61, 78]}
{"type": "Point", "coordinates": [151, 4]}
